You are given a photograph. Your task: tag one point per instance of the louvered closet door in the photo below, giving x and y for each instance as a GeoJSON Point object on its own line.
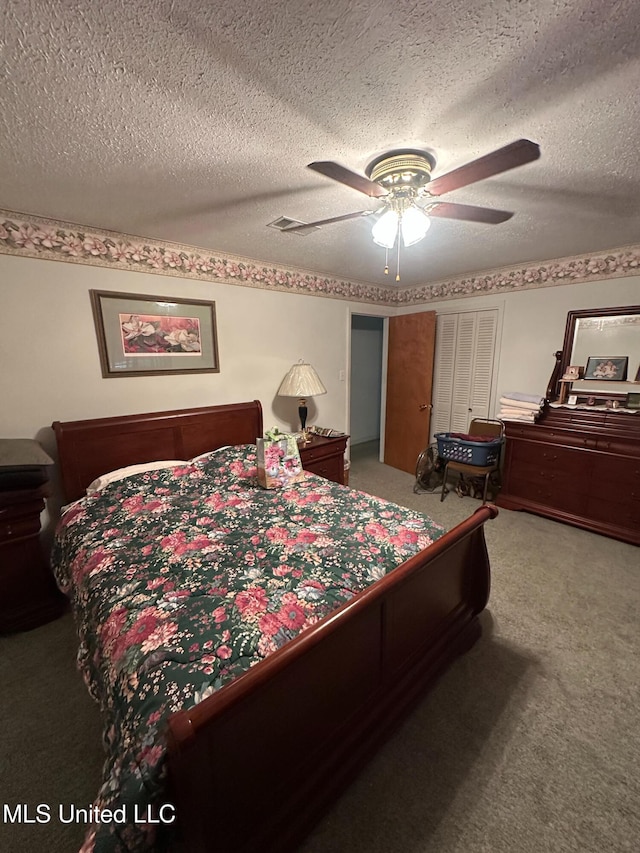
{"type": "Point", "coordinates": [443, 368]}
{"type": "Point", "coordinates": [463, 370]}
{"type": "Point", "coordinates": [483, 364]}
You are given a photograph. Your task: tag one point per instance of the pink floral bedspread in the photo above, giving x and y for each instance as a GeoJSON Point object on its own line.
{"type": "Point", "coordinates": [182, 579]}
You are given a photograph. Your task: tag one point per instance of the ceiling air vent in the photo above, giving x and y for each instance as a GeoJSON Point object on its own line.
{"type": "Point", "coordinates": [283, 223]}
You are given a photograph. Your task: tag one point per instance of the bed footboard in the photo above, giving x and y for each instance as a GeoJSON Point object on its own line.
{"type": "Point", "coordinates": [254, 766]}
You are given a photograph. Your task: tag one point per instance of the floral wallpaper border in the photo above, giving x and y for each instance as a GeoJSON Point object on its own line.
{"type": "Point", "coordinates": [35, 237]}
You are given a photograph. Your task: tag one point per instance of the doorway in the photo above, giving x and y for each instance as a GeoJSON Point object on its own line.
{"type": "Point", "coordinates": [365, 392]}
{"type": "Point", "coordinates": [390, 389]}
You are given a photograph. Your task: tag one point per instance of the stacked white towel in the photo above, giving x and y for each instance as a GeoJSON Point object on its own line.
{"type": "Point", "coordinates": [516, 406]}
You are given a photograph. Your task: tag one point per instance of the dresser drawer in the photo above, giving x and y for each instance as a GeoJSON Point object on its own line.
{"type": "Point", "coordinates": [625, 448]}
{"type": "Point", "coordinates": [330, 468]}
{"type": "Point", "coordinates": [575, 480]}
{"type": "Point", "coordinates": [619, 513]}
{"type": "Point", "coordinates": [616, 471]}
{"type": "Point", "coordinates": [567, 438]}
{"type": "Point", "coordinates": [313, 454]}
{"type": "Point", "coordinates": [17, 528]}
{"type": "Point", "coordinates": [325, 456]}
{"type": "Point", "coordinates": [549, 494]}
{"type": "Point", "coordinates": [19, 509]}
{"type": "Point", "coordinates": [547, 458]}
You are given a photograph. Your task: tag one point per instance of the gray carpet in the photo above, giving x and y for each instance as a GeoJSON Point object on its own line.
{"type": "Point", "coordinates": [530, 742]}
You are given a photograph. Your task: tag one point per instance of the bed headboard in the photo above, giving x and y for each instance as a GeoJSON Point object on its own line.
{"type": "Point", "coordinates": [87, 449]}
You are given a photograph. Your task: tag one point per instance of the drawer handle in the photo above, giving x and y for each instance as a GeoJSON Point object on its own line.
{"type": "Point", "coordinates": [552, 456]}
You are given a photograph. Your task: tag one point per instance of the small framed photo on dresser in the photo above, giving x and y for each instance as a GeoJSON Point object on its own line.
{"type": "Point", "coordinates": [573, 372]}
{"type": "Point", "coordinates": [608, 368]}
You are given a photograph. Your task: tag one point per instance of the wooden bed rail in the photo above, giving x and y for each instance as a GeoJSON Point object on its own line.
{"type": "Point", "coordinates": [276, 746]}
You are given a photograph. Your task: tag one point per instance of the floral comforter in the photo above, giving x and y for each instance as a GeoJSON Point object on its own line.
{"type": "Point", "coordinates": [183, 578]}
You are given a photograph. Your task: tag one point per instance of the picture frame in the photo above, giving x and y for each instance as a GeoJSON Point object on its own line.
{"type": "Point", "coordinates": [572, 400]}
{"type": "Point", "coordinates": [633, 400]}
{"type": "Point", "coordinates": [573, 372]}
{"type": "Point", "coordinates": [141, 335]}
{"type": "Point", "coordinates": [607, 368]}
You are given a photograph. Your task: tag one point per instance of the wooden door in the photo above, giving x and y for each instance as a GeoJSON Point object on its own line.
{"type": "Point", "coordinates": [409, 377]}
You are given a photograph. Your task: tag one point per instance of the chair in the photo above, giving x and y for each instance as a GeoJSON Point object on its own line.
{"type": "Point", "coordinates": [478, 426]}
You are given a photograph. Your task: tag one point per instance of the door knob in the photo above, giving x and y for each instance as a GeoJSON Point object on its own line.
{"type": "Point", "coordinates": [424, 406]}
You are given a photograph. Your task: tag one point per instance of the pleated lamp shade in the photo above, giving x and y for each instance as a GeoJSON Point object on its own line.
{"type": "Point", "coordinates": [301, 381]}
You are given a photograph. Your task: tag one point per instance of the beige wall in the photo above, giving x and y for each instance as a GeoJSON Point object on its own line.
{"type": "Point", "coordinates": [533, 325]}
{"type": "Point", "coordinates": [49, 366]}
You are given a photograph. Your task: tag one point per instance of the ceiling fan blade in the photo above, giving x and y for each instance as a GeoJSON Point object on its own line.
{"type": "Point", "coordinates": [293, 229]}
{"type": "Point", "coordinates": [515, 154]}
{"type": "Point", "coordinates": [351, 179]}
{"type": "Point", "coordinates": [468, 212]}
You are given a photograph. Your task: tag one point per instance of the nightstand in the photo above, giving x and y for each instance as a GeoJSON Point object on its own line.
{"type": "Point", "coordinates": [325, 456]}
{"type": "Point", "coordinates": [29, 596]}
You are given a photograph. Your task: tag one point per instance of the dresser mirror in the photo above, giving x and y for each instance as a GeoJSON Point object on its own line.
{"type": "Point", "coordinates": [605, 344]}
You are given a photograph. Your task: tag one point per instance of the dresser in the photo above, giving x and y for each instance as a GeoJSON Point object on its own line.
{"type": "Point", "coordinates": [29, 596]}
{"type": "Point", "coordinates": [578, 466]}
{"type": "Point", "coordinates": [325, 456]}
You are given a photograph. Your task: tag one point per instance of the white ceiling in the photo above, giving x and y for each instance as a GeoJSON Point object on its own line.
{"type": "Point", "coordinates": [194, 121]}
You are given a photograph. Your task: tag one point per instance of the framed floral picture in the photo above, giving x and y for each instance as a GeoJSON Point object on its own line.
{"type": "Point", "coordinates": [140, 335]}
{"type": "Point", "coordinates": [610, 368]}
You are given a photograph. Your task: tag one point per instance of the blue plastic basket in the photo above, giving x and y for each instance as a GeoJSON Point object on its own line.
{"type": "Point", "coordinates": [470, 452]}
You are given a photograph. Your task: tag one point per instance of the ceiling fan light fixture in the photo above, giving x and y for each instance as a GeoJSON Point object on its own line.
{"type": "Point", "coordinates": [402, 177]}
{"type": "Point", "coordinates": [414, 225]}
{"type": "Point", "coordinates": [402, 168]}
{"type": "Point", "coordinates": [385, 230]}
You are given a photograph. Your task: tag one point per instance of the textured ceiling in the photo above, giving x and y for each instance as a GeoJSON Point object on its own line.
{"type": "Point", "coordinates": [193, 122]}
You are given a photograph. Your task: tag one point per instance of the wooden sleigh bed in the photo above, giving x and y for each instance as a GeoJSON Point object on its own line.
{"type": "Point", "coordinates": [255, 764]}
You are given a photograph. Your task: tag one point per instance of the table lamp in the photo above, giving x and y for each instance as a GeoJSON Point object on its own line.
{"type": "Point", "coordinates": [301, 381]}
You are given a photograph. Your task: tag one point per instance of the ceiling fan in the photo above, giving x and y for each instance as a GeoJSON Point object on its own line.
{"type": "Point", "coordinates": [402, 178]}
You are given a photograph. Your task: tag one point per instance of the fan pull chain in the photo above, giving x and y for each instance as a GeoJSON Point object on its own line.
{"type": "Point", "coordinates": [386, 261]}
{"type": "Point", "coordinates": [398, 268]}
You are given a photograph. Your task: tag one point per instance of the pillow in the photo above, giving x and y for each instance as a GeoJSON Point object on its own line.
{"type": "Point", "coordinates": [120, 473]}
{"type": "Point", "coordinates": [208, 453]}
